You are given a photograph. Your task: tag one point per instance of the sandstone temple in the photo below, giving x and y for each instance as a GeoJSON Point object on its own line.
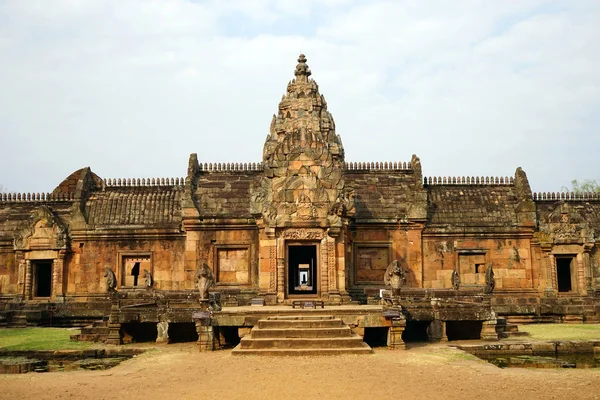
{"type": "Point", "coordinates": [303, 227]}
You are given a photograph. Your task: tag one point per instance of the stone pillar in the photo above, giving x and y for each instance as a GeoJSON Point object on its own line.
{"type": "Point", "coordinates": [394, 340]}
{"type": "Point", "coordinates": [206, 335]}
{"type": "Point", "coordinates": [580, 275]}
{"type": "Point", "coordinates": [114, 326]}
{"type": "Point", "coordinates": [488, 330]}
{"type": "Point", "coordinates": [28, 279]}
{"type": "Point", "coordinates": [280, 270]}
{"type": "Point", "coordinates": [58, 266]}
{"type": "Point", "coordinates": [324, 267]}
{"type": "Point", "coordinates": [162, 332]}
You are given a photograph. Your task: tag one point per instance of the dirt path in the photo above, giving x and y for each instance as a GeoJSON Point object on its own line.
{"type": "Point", "coordinates": [430, 372]}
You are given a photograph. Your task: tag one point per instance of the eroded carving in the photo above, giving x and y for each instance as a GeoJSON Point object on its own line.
{"type": "Point", "coordinates": [204, 279]}
{"type": "Point", "coordinates": [111, 279]}
{"type": "Point", "coordinates": [490, 282]}
{"type": "Point", "coordinates": [302, 234]}
{"type": "Point", "coordinates": [395, 276]}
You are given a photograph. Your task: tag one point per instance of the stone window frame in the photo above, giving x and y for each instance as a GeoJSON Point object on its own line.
{"type": "Point", "coordinates": [133, 253]}
{"type": "Point", "coordinates": [232, 246]}
{"type": "Point", "coordinates": [366, 244]}
{"type": "Point", "coordinates": [472, 252]}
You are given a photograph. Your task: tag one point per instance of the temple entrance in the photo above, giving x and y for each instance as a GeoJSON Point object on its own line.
{"type": "Point", "coordinates": [42, 278]}
{"type": "Point", "coordinates": [564, 273]}
{"type": "Point", "coordinates": [302, 269]}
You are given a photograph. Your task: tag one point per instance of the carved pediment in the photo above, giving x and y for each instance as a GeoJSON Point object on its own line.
{"type": "Point", "coordinates": [565, 224]}
{"type": "Point", "coordinates": [43, 231]}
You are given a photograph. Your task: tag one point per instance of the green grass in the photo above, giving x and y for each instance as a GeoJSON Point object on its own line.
{"type": "Point", "coordinates": [562, 331]}
{"type": "Point", "coordinates": [40, 339]}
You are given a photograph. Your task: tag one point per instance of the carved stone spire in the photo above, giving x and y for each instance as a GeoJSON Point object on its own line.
{"type": "Point", "coordinates": [302, 71]}
{"type": "Point", "coordinates": [303, 159]}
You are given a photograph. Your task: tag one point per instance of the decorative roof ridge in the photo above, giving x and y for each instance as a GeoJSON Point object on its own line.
{"type": "Point", "coordinates": [231, 167]}
{"type": "Point", "coordinates": [35, 197]}
{"type": "Point", "coordinates": [144, 182]}
{"type": "Point", "coordinates": [468, 180]}
{"type": "Point", "coordinates": [573, 196]}
{"type": "Point", "coordinates": [378, 166]}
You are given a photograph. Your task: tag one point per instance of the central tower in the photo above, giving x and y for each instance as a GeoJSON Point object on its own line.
{"type": "Point", "coordinates": [301, 199]}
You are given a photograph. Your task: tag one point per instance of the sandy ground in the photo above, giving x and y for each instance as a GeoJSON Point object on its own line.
{"type": "Point", "coordinates": [427, 372]}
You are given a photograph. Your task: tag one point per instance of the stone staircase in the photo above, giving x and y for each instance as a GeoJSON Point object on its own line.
{"type": "Point", "coordinates": [97, 332]}
{"type": "Point", "coordinates": [505, 329]}
{"type": "Point", "coordinates": [302, 335]}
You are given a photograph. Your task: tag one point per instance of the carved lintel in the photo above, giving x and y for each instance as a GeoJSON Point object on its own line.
{"type": "Point", "coordinates": [302, 234]}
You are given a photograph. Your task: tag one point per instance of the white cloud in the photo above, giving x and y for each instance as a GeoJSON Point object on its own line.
{"type": "Point", "coordinates": [131, 88]}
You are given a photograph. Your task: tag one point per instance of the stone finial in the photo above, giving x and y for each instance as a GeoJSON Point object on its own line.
{"type": "Point", "coordinates": [522, 184]}
{"type": "Point", "coordinates": [302, 69]}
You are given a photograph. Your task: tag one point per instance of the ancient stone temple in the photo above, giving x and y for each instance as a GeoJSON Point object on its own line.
{"type": "Point", "coordinates": [304, 225]}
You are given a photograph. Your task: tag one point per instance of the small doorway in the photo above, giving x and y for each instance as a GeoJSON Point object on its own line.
{"type": "Point", "coordinates": [302, 269]}
{"type": "Point", "coordinates": [42, 278]}
{"type": "Point", "coordinates": [565, 273]}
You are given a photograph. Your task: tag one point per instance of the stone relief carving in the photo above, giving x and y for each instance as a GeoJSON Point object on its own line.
{"type": "Point", "coordinates": [303, 160]}
{"type": "Point", "coordinates": [302, 234]}
{"type": "Point", "coordinates": [565, 224]}
{"type": "Point", "coordinates": [42, 230]}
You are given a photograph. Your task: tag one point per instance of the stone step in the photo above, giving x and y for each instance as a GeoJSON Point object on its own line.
{"type": "Point", "coordinates": [300, 343]}
{"type": "Point", "coordinates": [509, 328]}
{"type": "Point", "coordinates": [300, 323]}
{"type": "Point", "coordinates": [327, 332]}
{"type": "Point", "coordinates": [365, 349]}
{"type": "Point", "coordinates": [94, 330]}
{"type": "Point", "coordinates": [300, 317]}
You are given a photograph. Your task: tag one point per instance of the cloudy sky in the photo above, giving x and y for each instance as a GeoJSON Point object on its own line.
{"type": "Point", "coordinates": [132, 87]}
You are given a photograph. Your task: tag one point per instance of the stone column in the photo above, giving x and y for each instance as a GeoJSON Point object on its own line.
{"type": "Point", "coordinates": [206, 335]}
{"type": "Point", "coordinates": [28, 279]}
{"type": "Point", "coordinates": [324, 261]}
{"type": "Point", "coordinates": [580, 275]}
{"type": "Point", "coordinates": [114, 325]}
{"type": "Point", "coordinates": [58, 275]}
{"type": "Point", "coordinates": [280, 270]}
{"type": "Point", "coordinates": [394, 340]}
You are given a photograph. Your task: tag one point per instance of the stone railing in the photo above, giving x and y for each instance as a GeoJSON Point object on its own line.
{"type": "Point", "coordinates": [34, 197]}
{"type": "Point", "coordinates": [230, 167]}
{"type": "Point", "coordinates": [137, 182]}
{"type": "Point", "coordinates": [468, 180]}
{"type": "Point", "coordinates": [554, 196]}
{"type": "Point", "coordinates": [378, 166]}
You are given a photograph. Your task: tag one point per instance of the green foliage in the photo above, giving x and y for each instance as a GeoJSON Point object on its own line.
{"type": "Point", "coordinates": [40, 339]}
{"type": "Point", "coordinates": [588, 185]}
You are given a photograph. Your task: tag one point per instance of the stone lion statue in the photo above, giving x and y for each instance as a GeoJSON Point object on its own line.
{"type": "Point", "coordinates": [111, 279]}
{"type": "Point", "coordinates": [204, 280]}
{"type": "Point", "coordinates": [395, 276]}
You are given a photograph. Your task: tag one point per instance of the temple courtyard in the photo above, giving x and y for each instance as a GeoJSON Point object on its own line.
{"type": "Point", "coordinates": [424, 371]}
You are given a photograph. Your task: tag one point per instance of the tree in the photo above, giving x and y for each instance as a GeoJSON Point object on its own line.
{"type": "Point", "coordinates": [588, 185]}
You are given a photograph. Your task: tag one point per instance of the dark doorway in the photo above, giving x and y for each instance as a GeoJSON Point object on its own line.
{"type": "Point", "coordinates": [376, 336]}
{"type": "Point", "coordinates": [42, 280]}
{"type": "Point", "coordinates": [463, 330]}
{"type": "Point", "coordinates": [135, 272]}
{"type": "Point", "coordinates": [416, 331]}
{"type": "Point", "coordinates": [302, 269]}
{"type": "Point", "coordinates": [563, 273]}
{"type": "Point", "coordinates": [138, 332]}
{"type": "Point", "coordinates": [181, 332]}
